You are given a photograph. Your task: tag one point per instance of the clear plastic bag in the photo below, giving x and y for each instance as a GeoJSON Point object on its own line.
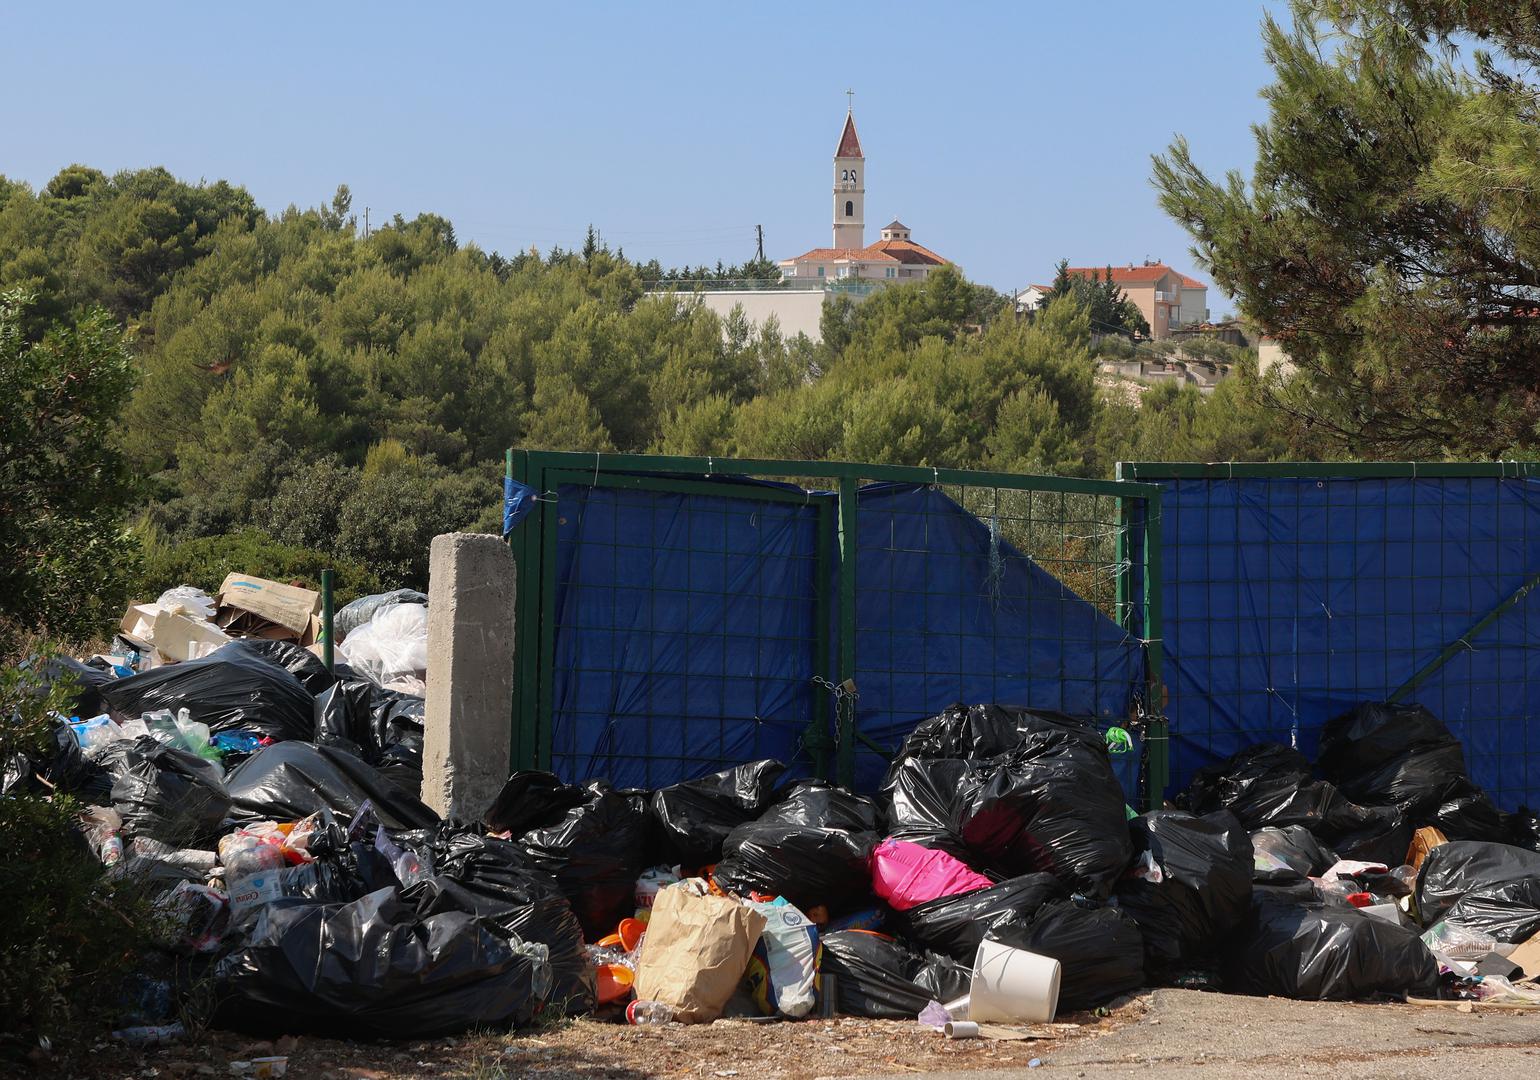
{"type": "Point", "coordinates": [1458, 942]}
{"type": "Point", "coordinates": [392, 646]}
{"type": "Point", "coordinates": [186, 600]}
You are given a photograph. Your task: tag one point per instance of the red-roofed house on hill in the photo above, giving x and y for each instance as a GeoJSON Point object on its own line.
{"type": "Point", "coordinates": [1167, 299]}
{"type": "Point", "coordinates": [895, 257]}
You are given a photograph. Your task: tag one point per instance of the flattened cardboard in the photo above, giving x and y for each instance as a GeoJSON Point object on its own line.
{"type": "Point", "coordinates": [287, 606]}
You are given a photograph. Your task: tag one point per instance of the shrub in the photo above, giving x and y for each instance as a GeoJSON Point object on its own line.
{"type": "Point", "coordinates": [204, 562]}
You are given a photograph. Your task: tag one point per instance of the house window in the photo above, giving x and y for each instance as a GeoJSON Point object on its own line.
{"type": "Point", "coordinates": [850, 208]}
{"type": "Point", "coordinates": [891, 272]}
{"type": "Point", "coordinates": [820, 271]}
{"type": "Point", "coordinates": [789, 271]}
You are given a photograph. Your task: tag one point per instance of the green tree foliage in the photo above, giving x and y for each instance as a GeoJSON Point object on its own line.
{"type": "Point", "coordinates": [64, 555]}
{"type": "Point", "coordinates": [306, 390]}
{"type": "Point", "coordinates": [1388, 235]}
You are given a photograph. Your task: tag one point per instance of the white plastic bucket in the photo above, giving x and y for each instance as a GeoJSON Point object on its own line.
{"type": "Point", "coordinates": [1013, 985]}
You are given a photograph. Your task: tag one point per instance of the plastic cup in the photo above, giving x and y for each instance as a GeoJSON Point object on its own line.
{"type": "Point", "coordinates": [1013, 985]}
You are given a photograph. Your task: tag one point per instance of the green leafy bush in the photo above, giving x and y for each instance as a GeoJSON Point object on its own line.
{"type": "Point", "coordinates": [204, 562]}
{"type": "Point", "coordinates": [70, 933]}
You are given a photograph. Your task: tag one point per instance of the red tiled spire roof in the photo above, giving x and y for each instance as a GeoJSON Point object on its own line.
{"type": "Point", "coordinates": [850, 146]}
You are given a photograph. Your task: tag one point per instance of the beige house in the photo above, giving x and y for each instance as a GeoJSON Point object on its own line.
{"type": "Point", "coordinates": [895, 257]}
{"type": "Point", "coordinates": [1158, 292]}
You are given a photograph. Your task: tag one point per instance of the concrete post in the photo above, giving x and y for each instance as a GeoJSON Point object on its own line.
{"type": "Point", "coordinates": [469, 723]}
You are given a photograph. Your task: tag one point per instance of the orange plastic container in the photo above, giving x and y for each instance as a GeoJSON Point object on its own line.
{"type": "Point", "coordinates": [614, 982]}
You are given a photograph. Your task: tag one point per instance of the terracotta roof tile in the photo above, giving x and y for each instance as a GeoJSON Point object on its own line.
{"type": "Point", "coordinates": [905, 251]}
{"type": "Point", "coordinates": [1124, 275]}
{"type": "Point", "coordinates": [1192, 283]}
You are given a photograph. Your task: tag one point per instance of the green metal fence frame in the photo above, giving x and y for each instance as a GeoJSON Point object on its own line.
{"type": "Point", "coordinates": [534, 549]}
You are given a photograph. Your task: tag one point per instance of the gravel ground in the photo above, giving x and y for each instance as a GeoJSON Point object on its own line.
{"type": "Point", "coordinates": [1152, 1036]}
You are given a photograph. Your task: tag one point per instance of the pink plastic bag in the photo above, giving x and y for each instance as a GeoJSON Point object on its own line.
{"type": "Point", "coordinates": [907, 875]}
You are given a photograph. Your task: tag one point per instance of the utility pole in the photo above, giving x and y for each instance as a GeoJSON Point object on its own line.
{"type": "Point", "coordinates": [366, 223]}
{"type": "Point", "coordinates": [759, 234]}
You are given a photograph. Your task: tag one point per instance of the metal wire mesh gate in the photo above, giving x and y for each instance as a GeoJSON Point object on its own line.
{"type": "Point", "coordinates": [1294, 591]}
{"type": "Point", "coordinates": [680, 615]}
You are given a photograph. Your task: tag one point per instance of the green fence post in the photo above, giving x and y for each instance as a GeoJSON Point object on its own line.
{"type": "Point", "coordinates": [1157, 731]}
{"type": "Point", "coordinates": [327, 638]}
{"type": "Point", "coordinates": [849, 484]}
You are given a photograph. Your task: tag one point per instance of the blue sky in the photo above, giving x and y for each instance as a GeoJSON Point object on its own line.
{"type": "Point", "coordinates": [1006, 136]}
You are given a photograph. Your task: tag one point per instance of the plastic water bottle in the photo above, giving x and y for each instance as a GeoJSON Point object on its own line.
{"type": "Point", "coordinates": [648, 1012]}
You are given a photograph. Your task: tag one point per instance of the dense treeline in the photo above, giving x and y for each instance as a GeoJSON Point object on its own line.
{"type": "Point", "coordinates": [354, 395]}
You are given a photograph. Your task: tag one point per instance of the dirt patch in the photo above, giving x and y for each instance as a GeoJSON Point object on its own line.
{"type": "Point", "coordinates": [596, 1050]}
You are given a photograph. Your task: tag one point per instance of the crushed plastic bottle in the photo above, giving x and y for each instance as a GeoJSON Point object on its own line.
{"type": "Point", "coordinates": [150, 1035]}
{"type": "Point", "coordinates": [648, 1013]}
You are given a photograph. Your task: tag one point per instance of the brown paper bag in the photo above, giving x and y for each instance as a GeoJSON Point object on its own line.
{"type": "Point", "coordinates": [695, 953]}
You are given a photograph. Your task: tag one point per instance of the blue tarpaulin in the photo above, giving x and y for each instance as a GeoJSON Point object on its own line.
{"type": "Point", "coordinates": [1288, 601]}
{"type": "Point", "coordinates": [686, 636]}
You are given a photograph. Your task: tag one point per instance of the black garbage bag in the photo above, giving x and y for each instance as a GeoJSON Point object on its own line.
{"type": "Point", "coordinates": [374, 968]}
{"type": "Point", "coordinates": [383, 727]}
{"type": "Point", "coordinates": [693, 818]}
{"type": "Point", "coordinates": [825, 806]}
{"type": "Point", "coordinates": [1522, 829]}
{"type": "Point", "coordinates": [1288, 854]}
{"type": "Point", "coordinates": [303, 664]}
{"type": "Point", "coordinates": [963, 732]}
{"type": "Point", "coordinates": [362, 610]}
{"type": "Point", "coordinates": [1508, 910]}
{"type": "Point", "coordinates": [531, 800]}
{"type": "Point", "coordinates": [490, 878]}
{"type": "Point", "coordinates": [166, 794]}
{"type": "Point", "coordinates": [1468, 816]}
{"type": "Point", "coordinates": [342, 716]}
{"type": "Point", "coordinates": [61, 766]}
{"type": "Point", "coordinates": [596, 851]}
{"type": "Point", "coordinates": [809, 866]}
{"type": "Point", "coordinates": [1053, 804]}
{"type": "Point", "coordinates": [954, 925]}
{"type": "Point", "coordinates": [1385, 840]}
{"type": "Point", "coordinates": [879, 977]}
{"type": "Point", "coordinates": [287, 781]}
{"type": "Point", "coordinates": [1384, 753]}
{"type": "Point", "coordinates": [1316, 953]}
{"type": "Point", "coordinates": [1451, 870]}
{"type": "Point", "coordinates": [922, 796]}
{"type": "Point", "coordinates": [1190, 885]}
{"type": "Point", "coordinates": [88, 681]}
{"type": "Point", "coordinates": [232, 689]}
{"type": "Point", "coordinates": [1099, 949]}
{"type": "Point", "coordinates": [1271, 785]}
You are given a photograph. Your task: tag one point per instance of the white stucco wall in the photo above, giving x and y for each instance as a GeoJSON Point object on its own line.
{"type": "Point", "coordinates": [798, 310]}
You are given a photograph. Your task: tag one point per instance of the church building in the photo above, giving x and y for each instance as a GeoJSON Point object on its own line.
{"type": "Point", "coordinates": [894, 257]}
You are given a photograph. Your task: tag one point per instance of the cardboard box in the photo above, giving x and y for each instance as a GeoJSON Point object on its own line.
{"type": "Point", "coordinates": [178, 637]}
{"type": "Point", "coordinates": [1527, 956]}
{"type": "Point", "coordinates": [1424, 840]}
{"type": "Point", "coordinates": [256, 607]}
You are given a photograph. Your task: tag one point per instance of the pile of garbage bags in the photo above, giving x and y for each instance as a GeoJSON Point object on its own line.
{"type": "Point", "coordinates": [269, 804]}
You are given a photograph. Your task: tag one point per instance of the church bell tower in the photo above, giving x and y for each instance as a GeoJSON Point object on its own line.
{"type": "Point", "coordinates": [849, 189]}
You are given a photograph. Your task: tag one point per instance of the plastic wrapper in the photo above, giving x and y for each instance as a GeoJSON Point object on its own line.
{"type": "Point", "coordinates": [809, 866]}
{"type": "Point", "coordinates": [1290, 853]}
{"type": "Point", "coordinates": [877, 976]}
{"type": "Point", "coordinates": [1273, 785]}
{"type": "Point", "coordinates": [694, 817]}
{"type": "Point", "coordinates": [824, 806]}
{"type": "Point", "coordinates": [783, 972]}
{"type": "Point", "coordinates": [1199, 891]}
{"type": "Point", "coordinates": [364, 609]}
{"type": "Point", "coordinates": [531, 800]}
{"type": "Point", "coordinates": [1382, 753]}
{"type": "Point", "coordinates": [1507, 910]}
{"type": "Point", "coordinates": [954, 925]}
{"type": "Point", "coordinates": [1458, 942]}
{"type": "Point", "coordinates": [907, 875]}
{"type": "Point", "coordinates": [291, 780]}
{"type": "Point", "coordinates": [1053, 804]}
{"type": "Point", "coordinates": [1451, 870]}
{"type": "Point", "coordinates": [1315, 953]}
{"type": "Point", "coordinates": [233, 689]}
{"type": "Point", "coordinates": [390, 646]}
{"type": "Point", "coordinates": [595, 852]}
{"type": "Point", "coordinates": [1099, 949]}
{"type": "Point", "coordinates": [165, 793]}
{"type": "Point", "coordinates": [489, 878]}
{"type": "Point", "coordinates": [373, 968]}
